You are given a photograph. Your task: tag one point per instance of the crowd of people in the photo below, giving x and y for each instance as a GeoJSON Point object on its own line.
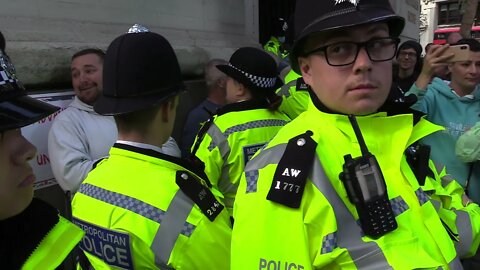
{"type": "Point", "coordinates": [342, 159]}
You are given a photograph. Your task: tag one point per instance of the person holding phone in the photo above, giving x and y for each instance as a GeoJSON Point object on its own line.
{"type": "Point", "coordinates": [454, 104]}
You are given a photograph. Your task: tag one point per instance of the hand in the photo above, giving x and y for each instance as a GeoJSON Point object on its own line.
{"type": "Point", "coordinates": [435, 58]}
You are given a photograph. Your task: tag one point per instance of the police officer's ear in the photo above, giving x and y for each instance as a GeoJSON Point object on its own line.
{"type": "Point", "coordinates": [304, 64]}
{"type": "Point", "coordinates": [167, 109]}
{"type": "Point", "coordinates": [242, 90]}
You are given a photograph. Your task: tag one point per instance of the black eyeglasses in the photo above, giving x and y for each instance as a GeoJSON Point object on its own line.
{"type": "Point", "coordinates": [409, 54]}
{"type": "Point", "coordinates": [345, 53]}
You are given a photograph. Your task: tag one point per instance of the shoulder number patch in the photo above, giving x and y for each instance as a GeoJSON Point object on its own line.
{"type": "Point", "coordinates": [291, 174]}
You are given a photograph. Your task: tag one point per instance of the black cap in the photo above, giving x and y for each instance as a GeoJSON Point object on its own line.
{"type": "Point", "coordinates": [16, 108]}
{"type": "Point", "coordinates": [140, 71]}
{"type": "Point", "coordinates": [411, 44]}
{"type": "Point", "coordinates": [315, 16]}
{"type": "Point", "coordinates": [254, 68]}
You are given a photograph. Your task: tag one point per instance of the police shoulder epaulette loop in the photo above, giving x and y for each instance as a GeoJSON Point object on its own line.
{"type": "Point", "coordinates": [301, 85]}
{"type": "Point", "coordinates": [292, 171]}
{"type": "Point", "coordinates": [201, 133]}
{"type": "Point", "coordinates": [199, 193]}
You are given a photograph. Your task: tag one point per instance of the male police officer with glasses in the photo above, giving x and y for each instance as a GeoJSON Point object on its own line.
{"type": "Point", "coordinates": [334, 188]}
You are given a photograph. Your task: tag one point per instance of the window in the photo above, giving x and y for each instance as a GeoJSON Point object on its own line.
{"type": "Point", "coordinates": [449, 13]}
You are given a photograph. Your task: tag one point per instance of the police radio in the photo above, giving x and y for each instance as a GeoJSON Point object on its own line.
{"type": "Point", "coordinates": [367, 190]}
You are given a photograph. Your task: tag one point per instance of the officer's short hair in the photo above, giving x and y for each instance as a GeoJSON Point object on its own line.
{"type": "Point", "coordinates": [139, 121]}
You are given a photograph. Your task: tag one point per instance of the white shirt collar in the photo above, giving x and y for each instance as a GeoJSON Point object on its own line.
{"type": "Point", "coordinates": [142, 145]}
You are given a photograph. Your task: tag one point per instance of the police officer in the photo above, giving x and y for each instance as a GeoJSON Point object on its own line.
{"type": "Point", "coordinates": [294, 92]}
{"type": "Point", "coordinates": [32, 233]}
{"type": "Point", "coordinates": [275, 44]}
{"type": "Point", "coordinates": [334, 188]}
{"type": "Point", "coordinates": [245, 124]}
{"type": "Point", "coordinates": [141, 208]}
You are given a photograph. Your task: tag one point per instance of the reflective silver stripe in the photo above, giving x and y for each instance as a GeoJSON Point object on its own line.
{"type": "Point", "coordinates": [174, 224]}
{"type": "Point", "coordinates": [464, 229]}
{"type": "Point", "coordinates": [365, 255]}
{"type": "Point", "coordinates": [285, 89]}
{"type": "Point", "coordinates": [438, 167]}
{"type": "Point", "coordinates": [218, 139]}
{"type": "Point", "coordinates": [126, 202]}
{"type": "Point", "coordinates": [269, 156]}
{"type": "Point", "coordinates": [456, 264]}
{"type": "Point", "coordinates": [224, 184]}
{"type": "Point", "coordinates": [227, 187]}
{"type": "Point", "coordinates": [229, 202]}
{"type": "Point", "coordinates": [446, 179]}
{"type": "Point", "coordinates": [436, 204]}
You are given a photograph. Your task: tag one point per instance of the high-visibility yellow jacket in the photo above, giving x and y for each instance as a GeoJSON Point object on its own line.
{"type": "Point", "coordinates": [234, 135]}
{"type": "Point", "coordinates": [295, 96]}
{"type": "Point", "coordinates": [323, 232]}
{"type": "Point", "coordinates": [136, 217]}
{"type": "Point", "coordinates": [273, 45]}
{"type": "Point", "coordinates": [55, 246]}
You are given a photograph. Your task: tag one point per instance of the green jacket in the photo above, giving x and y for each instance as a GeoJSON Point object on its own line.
{"type": "Point", "coordinates": [55, 246]}
{"type": "Point", "coordinates": [136, 217]}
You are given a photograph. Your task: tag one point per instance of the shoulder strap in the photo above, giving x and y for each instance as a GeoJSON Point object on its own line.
{"type": "Point", "coordinates": [291, 174]}
{"type": "Point", "coordinates": [201, 135]}
{"type": "Point", "coordinates": [199, 194]}
{"type": "Point", "coordinates": [301, 85]}
{"type": "Point", "coordinates": [418, 156]}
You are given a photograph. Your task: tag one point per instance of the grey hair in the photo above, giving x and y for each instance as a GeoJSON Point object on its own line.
{"type": "Point", "coordinates": [212, 73]}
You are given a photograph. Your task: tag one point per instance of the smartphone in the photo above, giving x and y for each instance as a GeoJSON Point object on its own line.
{"type": "Point", "coordinates": [460, 53]}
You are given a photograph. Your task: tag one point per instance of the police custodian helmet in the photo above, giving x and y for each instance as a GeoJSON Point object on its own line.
{"type": "Point", "coordinates": [17, 109]}
{"type": "Point", "coordinates": [140, 71]}
{"type": "Point", "coordinates": [313, 16]}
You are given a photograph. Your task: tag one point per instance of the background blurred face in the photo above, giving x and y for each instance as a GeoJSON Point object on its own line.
{"type": "Point", "coordinates": [87, 80]}
{"type": "Point", "coordinates": [407, 58]}
{"type": "Point", "coordinates": [16, 175]}
{"type": "Point", "coordinates": [466, 75]}
{"type": "Point", "coordinates": [359, 88]}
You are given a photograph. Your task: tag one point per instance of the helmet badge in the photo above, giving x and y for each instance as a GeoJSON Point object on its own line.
{"type": "Point", "coordinates": [354, 2]}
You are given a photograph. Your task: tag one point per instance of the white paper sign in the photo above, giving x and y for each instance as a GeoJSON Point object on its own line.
{"type": "Point", "coordinates": [37, 134]}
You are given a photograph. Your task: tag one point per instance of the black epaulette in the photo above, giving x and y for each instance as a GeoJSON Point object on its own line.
{"type": "Point", "coordinates": [418, 156]}
{"type": "Point", "coordinates": [301, 85]}
{"type": "Point", "coordinates": [199, 193]}
{"type": "Point", "coordinates": [201, 134]}
{"type": "Point", "coordinates": [292, 171]}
